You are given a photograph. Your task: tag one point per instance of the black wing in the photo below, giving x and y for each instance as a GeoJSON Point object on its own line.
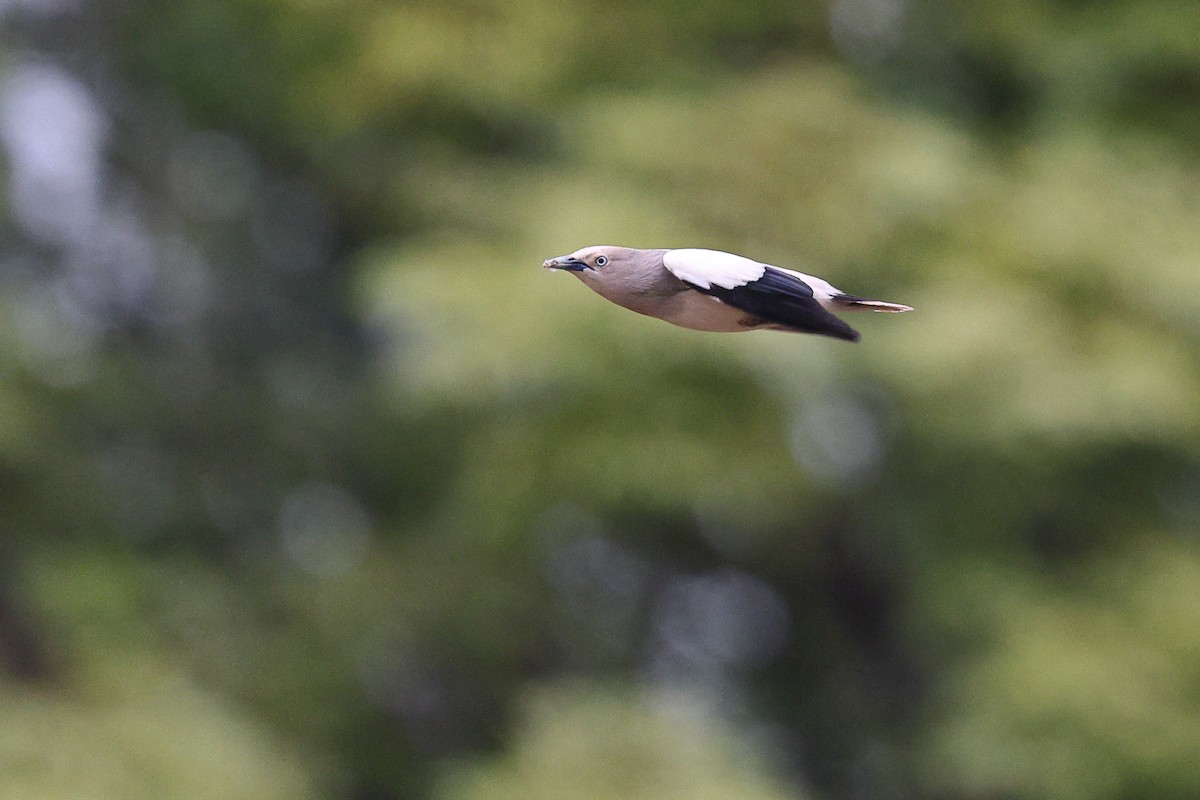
{"type": "Point", "coordinates": [785, 300]}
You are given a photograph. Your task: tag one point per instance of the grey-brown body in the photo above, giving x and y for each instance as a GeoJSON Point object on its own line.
{"type": "Point", "coordinates": [709, 290]}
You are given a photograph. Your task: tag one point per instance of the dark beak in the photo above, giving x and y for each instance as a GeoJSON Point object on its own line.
{"type": "Point", "coordinates": [565, 262]}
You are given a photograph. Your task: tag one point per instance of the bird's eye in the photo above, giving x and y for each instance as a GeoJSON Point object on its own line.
{"type": "Point", "coordinates": [601, 261]}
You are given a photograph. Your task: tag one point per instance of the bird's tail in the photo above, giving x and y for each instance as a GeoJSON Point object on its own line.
{"type": "Point", "coordinates": [849, 302]}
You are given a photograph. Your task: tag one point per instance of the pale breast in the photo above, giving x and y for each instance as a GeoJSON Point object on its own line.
{"type": "Point", "coordinates": [703, 313]}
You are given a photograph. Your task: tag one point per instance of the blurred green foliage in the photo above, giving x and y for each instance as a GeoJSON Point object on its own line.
{"type": "Point", "coordinates": [589, 742]}
{"type": "Point", "coordinates": [315, 485]}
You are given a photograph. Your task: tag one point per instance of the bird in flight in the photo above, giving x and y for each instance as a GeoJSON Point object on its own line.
{"type": "Point", "coordinates": [708, 290]}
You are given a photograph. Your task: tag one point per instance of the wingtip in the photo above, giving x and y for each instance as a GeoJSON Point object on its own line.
{"type": "Point", "coordinates": [838, 329]}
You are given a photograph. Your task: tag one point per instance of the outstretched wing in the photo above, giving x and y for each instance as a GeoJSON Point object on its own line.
{"type": "Point", "coordinates": [775, 295]}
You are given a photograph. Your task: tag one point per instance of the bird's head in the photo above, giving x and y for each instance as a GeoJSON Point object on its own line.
{"type": "Point", "coordinates": [593, 260]}
{"type": "Point", "coordinates": [624, 275]}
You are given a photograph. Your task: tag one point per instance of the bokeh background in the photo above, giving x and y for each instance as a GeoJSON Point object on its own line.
{"type": "Point", "coordinates": [313, 484]}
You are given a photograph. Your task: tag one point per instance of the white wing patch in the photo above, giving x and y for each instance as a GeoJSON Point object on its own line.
{"type": "Point", "coordinates": [704, 268]}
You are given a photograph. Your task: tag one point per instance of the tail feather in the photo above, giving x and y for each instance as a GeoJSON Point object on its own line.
{"type": "Point", "coordinates": [849, 302]}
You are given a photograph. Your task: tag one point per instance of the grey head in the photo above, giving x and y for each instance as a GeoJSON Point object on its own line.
{"type": "Point", "coordinates": [621, 274]}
